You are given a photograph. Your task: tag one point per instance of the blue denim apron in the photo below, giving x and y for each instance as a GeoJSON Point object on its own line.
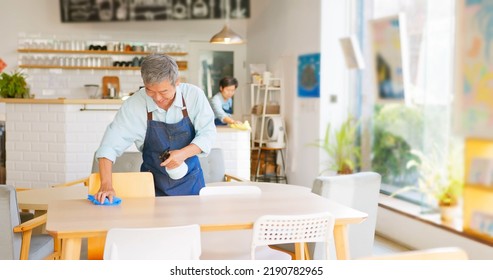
{"type": "Point", "coordinates": [161, 136]}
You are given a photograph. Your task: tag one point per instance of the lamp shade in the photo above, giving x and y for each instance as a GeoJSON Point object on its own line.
{"type": "Point", "coordinates": [226, 36]}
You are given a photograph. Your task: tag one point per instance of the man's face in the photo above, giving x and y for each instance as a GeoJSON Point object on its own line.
{"type": "Point", "coordinates": [162, 93]}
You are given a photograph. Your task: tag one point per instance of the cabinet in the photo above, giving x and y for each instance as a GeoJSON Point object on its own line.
{"type": "Point", "coordinates": [268, 139]}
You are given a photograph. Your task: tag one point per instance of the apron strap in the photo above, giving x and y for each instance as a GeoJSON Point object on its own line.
{"type": "Point", "coordinates": [184, 110]}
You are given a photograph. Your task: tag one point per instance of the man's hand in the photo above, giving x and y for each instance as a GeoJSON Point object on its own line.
{"type": "Point", "coordinates": [105, 192]}
{"type": "Point", "coordinates": [176, 158]}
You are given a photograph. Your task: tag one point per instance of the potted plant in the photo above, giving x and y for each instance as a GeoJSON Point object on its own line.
{"type": "Point", "coordinates": [342, 147]}
{"type": "Point", "coordinates": [13, 85]}
{"type": "Point", "coordinates": [442, 184]}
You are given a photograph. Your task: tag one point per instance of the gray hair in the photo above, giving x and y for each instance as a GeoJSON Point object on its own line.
{"type": "Point", "coordinates": [156, 68]}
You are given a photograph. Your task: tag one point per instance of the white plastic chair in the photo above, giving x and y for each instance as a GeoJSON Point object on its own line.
{"type": "Point", "coordinates": [230, 190]}
{"type": "Point", "coordinates": [359, 191]}
{"type": "Point", "coordinates": [282, 229]}
{"type": "Point", "coordinates": [164, 243]}
{"type": "Point", "coordinates": [234, 244]}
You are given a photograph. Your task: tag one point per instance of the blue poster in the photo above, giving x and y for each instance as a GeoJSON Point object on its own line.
{"type": "Point", "coordinates": [309, 75]}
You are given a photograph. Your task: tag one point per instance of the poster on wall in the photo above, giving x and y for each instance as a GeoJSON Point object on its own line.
{"type": "Point", "coordinates": [309, 75]}
{"type": "Point", "coordinates": [388, 41]}
{"type": "Point", "coordinates": [145, 10]}
{"type": "Point", "coordinates": [474, 101]}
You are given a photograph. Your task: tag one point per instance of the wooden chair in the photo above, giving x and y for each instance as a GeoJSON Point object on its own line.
{"type": "Point", "coordinates": [126, 184]}
{"type": "Point", "coordinates": [444, 253]}
{"type": "Point", "coordinates": [127, 162]}
{"type": "Point", "coordinates": [16, 239]}
{"type": "Point", "coordinates": [163, 243]}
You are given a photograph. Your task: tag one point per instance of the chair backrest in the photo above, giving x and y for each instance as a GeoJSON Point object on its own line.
{"type": "Point", "coordinates": [361, 192]}
{"type": "Point", "coordinates": [165, 243]}
{"type": "Point", "coordinates": [445, 253]}
{"type": "Point", "coordinates": [126, 184]}
{"type": "Point", "coordinates": [229, 190]}
{"type": "Point", "coordinates": [213, 166]}
{"type": "Point", "coordinates": [282, 229]}
{"type": "Point", "coordinates": [10, 242]}
{"type": "Point", "coordinates": [127, 162]}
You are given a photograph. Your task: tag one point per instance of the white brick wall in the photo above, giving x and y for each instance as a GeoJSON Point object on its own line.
{"type": "Point", "coordinates": [48, 144]}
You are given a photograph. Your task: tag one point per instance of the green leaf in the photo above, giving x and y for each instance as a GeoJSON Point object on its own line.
{"type": "Point", "coordinates": [13, 85]}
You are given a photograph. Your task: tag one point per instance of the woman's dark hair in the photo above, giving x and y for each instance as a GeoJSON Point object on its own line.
{"type": "Point", "coordinates": [228, 81]}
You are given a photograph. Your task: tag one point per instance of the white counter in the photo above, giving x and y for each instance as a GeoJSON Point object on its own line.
{"type": "Point", "coordinates": [53, 141]}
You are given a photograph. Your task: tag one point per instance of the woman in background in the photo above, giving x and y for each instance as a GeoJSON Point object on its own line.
{"type": "Point", "coordinates": [222, 102]}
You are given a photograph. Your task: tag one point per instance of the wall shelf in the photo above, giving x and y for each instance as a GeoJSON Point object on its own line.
{"type": "Point", "coordinates": [182, 66]}
{"type": "Point", "coordinates": [96, 52]}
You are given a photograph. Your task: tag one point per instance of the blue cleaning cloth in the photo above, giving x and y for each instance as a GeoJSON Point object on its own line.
{"type": "Point", "coordinates": [116, 201]}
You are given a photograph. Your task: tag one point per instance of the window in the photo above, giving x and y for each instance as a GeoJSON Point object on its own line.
{"type": "Point", "coordinates": [423, 122]}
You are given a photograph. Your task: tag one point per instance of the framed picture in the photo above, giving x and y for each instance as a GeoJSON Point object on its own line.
{"type": "Point", "coordinates": [131, 10]}
{"type": "Point", "coordinates": [389, 57]}
{"type": "Point", "coordinates": [309, 75]}
{"type": "Point", "coordinates": [474, 101]}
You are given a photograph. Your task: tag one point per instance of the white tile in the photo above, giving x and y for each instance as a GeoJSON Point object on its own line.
{"type": "Point", "coordinates": [22, 146]}
{"type": "Point", "coordinates": [49, 177]}
{"type": "Point", "coordinates": [48, 137]}
{"type": "Point", "coordinates": [21, 126]}
{"type": "Point", "coordinates": [31, 157]}
{"type": "Point", "coordinates": [23, 166]}
{"type": "Point", "coordinates": [36, 147]}
{"type": "Point", "coordinates": [38, 167]}
{"type": "Point", "coordinates": [58, 148]}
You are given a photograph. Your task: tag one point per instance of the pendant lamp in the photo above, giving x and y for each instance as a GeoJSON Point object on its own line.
{"type": "Point", "coordinates": [226, 35]}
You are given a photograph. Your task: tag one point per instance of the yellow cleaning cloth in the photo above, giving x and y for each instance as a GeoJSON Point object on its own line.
{"type": "Point", "coordinates": [241, 126]}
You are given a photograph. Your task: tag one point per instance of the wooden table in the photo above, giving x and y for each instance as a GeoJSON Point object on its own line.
{"type": "Point", "coordinates": [72, 220]}
{"type": "Point", "coordinates": [38, 199]}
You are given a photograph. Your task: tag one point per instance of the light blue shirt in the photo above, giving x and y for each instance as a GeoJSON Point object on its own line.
{"type": "Point", "coordinates": [130, 123]}
{"type": "Point", "coordinates": [218, 105]}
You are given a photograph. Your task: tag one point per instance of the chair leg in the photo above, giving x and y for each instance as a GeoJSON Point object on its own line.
{"type": "Point", "coordinates": [299, 251]}
{"type": "Point", "coordinates": [307, 253]}
{"type": "Point", "coordinates": [293, 256]}
{"type": "Point", "coordinates": [283, 167]}
{"type": "Point", "coordinates": [95, 248]}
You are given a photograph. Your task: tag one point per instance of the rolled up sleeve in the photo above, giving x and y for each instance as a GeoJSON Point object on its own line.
{"type": "Point", "coordinates": [202, 118]}
{"type": "Point", "coordinates": [126, 129]}
{"type": "Point", "coordinates": [217, 107]}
